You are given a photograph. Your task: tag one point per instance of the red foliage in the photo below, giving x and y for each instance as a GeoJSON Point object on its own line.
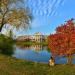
{"type": "Point", "coordinates": [63, 41]}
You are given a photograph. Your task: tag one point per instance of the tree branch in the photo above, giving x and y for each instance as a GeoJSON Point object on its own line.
{"type": "Point", "coordinates": [2, 23]}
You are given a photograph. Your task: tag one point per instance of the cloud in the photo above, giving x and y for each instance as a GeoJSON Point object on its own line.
{"type": "Point", "coordinates": [45, 12]}
{"type": "Point", "coordinates": [63, 2]}
{"type": "Point", "coordinates": [45, 7]}
{"type": "Point", "coordinates": [43, 21]}
{"type": "Point", "coordinates": [39, 2]}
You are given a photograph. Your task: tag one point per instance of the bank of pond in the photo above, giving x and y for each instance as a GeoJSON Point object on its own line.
{"type": "Point", "coordinates": [18, 59]}
{"type": "Point", "coordinates": [13, 66]}
{"type": "Point", "coordinates": [34, 52]}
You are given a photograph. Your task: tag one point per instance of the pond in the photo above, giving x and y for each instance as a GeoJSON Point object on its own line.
{"type": "Point", "coordinates": [39, 53]}
{"type": "Point", "coordinates": [36, 53]}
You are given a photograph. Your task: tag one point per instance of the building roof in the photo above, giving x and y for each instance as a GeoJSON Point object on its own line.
{"type": "Point", "coordinates": [37, 33]}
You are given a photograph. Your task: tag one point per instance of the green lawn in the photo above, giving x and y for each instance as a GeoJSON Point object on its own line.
{"type": "Point", "coordinates": [31, 43]}
{"type": "Point", "coordinates": [12, 66]}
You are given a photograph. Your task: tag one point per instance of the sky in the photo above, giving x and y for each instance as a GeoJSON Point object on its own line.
{"type": "Point", "coordinates": [48, 14]}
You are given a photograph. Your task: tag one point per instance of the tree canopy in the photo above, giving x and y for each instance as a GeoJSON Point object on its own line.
{"type": "Point", "coordinates": [63, 41]}
{"type": "Point", "coordinates": [13, 12]}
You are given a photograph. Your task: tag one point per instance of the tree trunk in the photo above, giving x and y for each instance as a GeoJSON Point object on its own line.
{"type": "Point", "coordinates": [69, 60]}
{"type": "Point", "coordinates": [1, 27]}
{"type": "Point", "coordinates": [2, 23]}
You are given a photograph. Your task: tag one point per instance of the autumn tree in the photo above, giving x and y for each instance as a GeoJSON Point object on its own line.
{"type": "Point", "coordinates": [13, 12]}
{"type": "Point", "coordinates": [63, 41]}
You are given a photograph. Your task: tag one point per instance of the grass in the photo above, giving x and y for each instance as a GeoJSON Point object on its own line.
{"type": "Point", "coordinates": [24, 43]}
{"type": "Point", "coordinates": [31, 43]}
{"type": "Point", "coordinates": [12, 66]}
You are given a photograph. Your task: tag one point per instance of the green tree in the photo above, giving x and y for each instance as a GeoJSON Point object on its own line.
{"type": "Point", "coordinates": [13, 12]}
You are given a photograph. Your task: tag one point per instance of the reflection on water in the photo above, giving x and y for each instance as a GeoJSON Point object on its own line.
{"type": "Point", "coordinates": [37, 47]}
{"type": "Point", "coordinates": [36, 53]}
{"type": "Point", "coordinates": [39, 53]}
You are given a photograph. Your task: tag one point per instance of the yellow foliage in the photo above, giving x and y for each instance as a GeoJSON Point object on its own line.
{"type": "Point", "coordinates": [12, 14]}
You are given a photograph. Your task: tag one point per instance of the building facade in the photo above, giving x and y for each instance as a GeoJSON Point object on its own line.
{"type": "Point", "coordinates": [37, 37]}
{"type": "Point", "coordinates": [24, 38]}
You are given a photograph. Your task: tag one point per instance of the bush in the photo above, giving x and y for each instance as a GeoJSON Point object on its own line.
{"type": "Point", "coordinates": [6, 45]}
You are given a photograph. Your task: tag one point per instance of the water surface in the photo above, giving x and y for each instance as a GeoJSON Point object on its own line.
{"type": "Point", "coordinates": [39, 53]}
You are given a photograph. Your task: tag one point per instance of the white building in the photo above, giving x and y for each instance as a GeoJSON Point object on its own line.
{"type": "Point", "coordinates": [38, 37]}
{"type": "Point", "coordinates": [24, 38]}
